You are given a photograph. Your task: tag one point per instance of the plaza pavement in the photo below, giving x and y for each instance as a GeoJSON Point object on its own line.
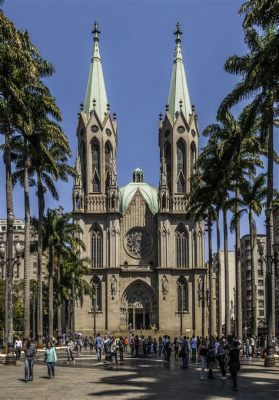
{"type": "Point", "coordinates": [147, 379]}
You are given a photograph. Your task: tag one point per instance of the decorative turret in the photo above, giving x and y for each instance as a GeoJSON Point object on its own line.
{"type": "Point", "coordinates": [164, 195]}
{"type": "Point", "coordinates": [78, 192]}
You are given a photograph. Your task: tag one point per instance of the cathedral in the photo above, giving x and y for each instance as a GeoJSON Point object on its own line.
{"type": "Point", "coordinates": [147, 258]}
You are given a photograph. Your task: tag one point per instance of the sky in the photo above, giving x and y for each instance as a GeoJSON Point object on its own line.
{"type": "Point", "coordinates": [137, 47]}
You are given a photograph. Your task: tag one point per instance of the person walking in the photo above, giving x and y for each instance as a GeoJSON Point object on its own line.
{"type": "Point", "coordinates": [137, 343]}
{"type": "Point", "coordinates": [160, 346]}
{"type": "Point", "coordinates": [234, 363]}
{"type": "Point", "coordinates": [202, 354]}
{"type": "Point", "coordinates": [99, 345]}
{"type": "Point", "coordinates": [132, 344]}
{"type": "Point", "coordinates": [175, 347]}
{"type": "Point", "coordinates": [221, 355]}
{"type": "Point", "coordinates": [69, 351]}
{"type": "Point", "coordinates": [184, 352]}
{"type": "Point", "coordinates": [29, 353]}
{"type": "Point", "coordinates": [50, 358]}
{"type": "Point", "coordinates": [194, 348]}
{"type": "Point", "coordinates": [18, 348]}
{"type": "Point", "coordinates": [211, 357]}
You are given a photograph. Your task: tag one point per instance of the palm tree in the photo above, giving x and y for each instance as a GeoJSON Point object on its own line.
{"type": "Point", "coordinates": [263, 13]}
{"type": "Point", "coordinates": [259, 71]}
{"type": "Point", "coordinates": [253, 193]}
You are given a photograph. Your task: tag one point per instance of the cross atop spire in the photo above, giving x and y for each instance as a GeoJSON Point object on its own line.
{"type": "Point", "coordinates": [179, 99]}
{"type": "Point", "coordinates": [96, 89]}
{"type": "Point", "coordinates": [178, 33]}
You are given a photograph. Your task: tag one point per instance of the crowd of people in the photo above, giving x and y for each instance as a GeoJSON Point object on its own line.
{"type": "Point", "coordinates": [211, 353]}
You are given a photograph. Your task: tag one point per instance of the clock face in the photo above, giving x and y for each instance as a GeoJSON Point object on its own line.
{"type": "Point", "coordinates": [108, 132]}
{"type": "Point", "coordinates": [193, 132]}
{"type": "Point", "coordinates": [138, 242]}
{"type": "Point", "coordinates": [181, 129]}
{"type": "Point", "coordinates": [94, 128]}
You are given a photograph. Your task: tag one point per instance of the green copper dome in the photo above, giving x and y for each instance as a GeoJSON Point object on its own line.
{"type": "Point", "coordinates": [148, 192]}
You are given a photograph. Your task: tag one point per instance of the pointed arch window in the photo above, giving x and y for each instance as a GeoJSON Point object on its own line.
{"type": "Point", "coordinates": [96, 165]}
{"type": "Point", "coordinates": [182, 295]}
{"type": "Point", "coordinates": [108, 155]}
{"type": "Point", "coordinates": [168, 163]}
{"type": "Point", "coordinates": [96, 293]}
{"type": "Point", "coordinates": [96, 238]}
{"type": "Point", "coordinates": [181, 247]}
{"type": "Point", "coordinates": [193, 156]}
{"type": "Point", "coordinates": [180, 153]}
{"type": "Point", "coordinates": [195, 249]}
{"type": "Point", "coordinates": [83, 165]}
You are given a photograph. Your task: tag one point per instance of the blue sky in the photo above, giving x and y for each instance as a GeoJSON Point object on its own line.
{"type": "Point", "coordinates": [137, 47]}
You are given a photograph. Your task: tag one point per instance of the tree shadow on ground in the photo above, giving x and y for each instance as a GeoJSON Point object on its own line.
{"type": "Point", "coordinates": [153, 381]}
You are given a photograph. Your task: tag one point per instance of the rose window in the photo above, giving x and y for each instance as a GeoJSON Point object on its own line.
{"type": "Point", "coordinates": [138, 242]}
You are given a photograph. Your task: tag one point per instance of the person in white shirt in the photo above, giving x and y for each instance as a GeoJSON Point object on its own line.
{"type": "Point", "coordinates": [194, 348]}
{"type": "Point", "coordinates": [18, 348]}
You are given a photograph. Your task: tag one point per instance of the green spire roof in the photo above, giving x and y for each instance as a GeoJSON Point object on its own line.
{"type": "Point", "coordinates": [179, 99]}
{"type": "Point", "coordinates": [96, 89]}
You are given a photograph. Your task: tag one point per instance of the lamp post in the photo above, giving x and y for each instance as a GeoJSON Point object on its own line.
{"type": "Point", "coordinates": [9, 329]}
{"type": "Point", "coordinates": [201, 298]}
{"type": "Point", "coordinates": [73, 303]}
{"type": "Point", "coordinates": [269, 359]}
{"type": "Point", "coordinates": [94, 312]}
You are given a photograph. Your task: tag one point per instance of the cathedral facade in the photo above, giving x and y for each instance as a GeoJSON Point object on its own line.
{"type": "Point", "coordinates": [147, 258]}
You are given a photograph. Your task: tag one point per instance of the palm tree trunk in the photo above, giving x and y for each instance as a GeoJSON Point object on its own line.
{"type": "Point", "coordinates": [59, 299]}
{"type": "Point", "coordinates": [227, 279]}
{"type": "Point", "coordinates": [50, 295]}
{"type": "Point", "coordinates": [211, 294]}
{"type": "Point", "coordinates": [219, 272]}
{"type": "Point", "coordinates": [270, 306]}
{"type": "Point", "coordinates": [253, 280]}
{"type": "Point", "coordinates": [238, 305]}
{"type": "Point", "coordinates": [10, 245]}
{"type": "Point", "coordinates": [40, 257]}
{"type": "Point", "coordinates": [26, 254]}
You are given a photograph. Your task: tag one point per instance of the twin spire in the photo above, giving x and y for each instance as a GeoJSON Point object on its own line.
{"type": "Point", "coordinates": [96, 96]}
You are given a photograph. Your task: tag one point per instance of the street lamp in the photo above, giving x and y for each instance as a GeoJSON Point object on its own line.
{"type": "Point", "coordinates": [201, 298]}
{"type": "Point", "coordinates": [269, 359]}
{"type": "Point", "coordinates": [73, 303]}
{"type": "Point", "coordinates": [94, 309]}
{"type": "Point", "coordinates": [181, 288]}
{"type": "Point", "coordinates": [9, 330]}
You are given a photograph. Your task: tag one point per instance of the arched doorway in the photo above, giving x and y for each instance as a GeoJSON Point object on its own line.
{"type": "Point", "coordinates": [138, 307]}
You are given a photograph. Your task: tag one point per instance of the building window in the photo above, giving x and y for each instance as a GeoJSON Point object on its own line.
{"type": "Point", "coordinates": [195, 250]}
{"type": "Point", "coordinates": [96, 248]}
{"type": "Point", "coordinates": [108, 155]}
{"type": "Point", "coordinates": [168, 163]}
{"type": "Point", "coordinates": [248, 274]}
{"type": "Point", "coordinates": [83, 165]}
{"type": "Point", "coordinates": [96, 293]}
{"type": "Point", "coordinates": [260, 272]}
{"type": "Point", "coordinates": [181, 247]}
{"type": "Point", "coordinates": [261, 292]}
{"type": "Point", "coordinates": [193, 156]}
{"type": "Point", "coordinates": [260, 282]}
{"type": "Point", "coordinates": [261, 303]}
{"type": "Point", "coordinates": [261, 313]}
{"type": "Point", "coordinates": [96, 166]}
{"type": "Point", "coordinates": [182, 295]}
{"type": "Point", "coordinates": [180, 167]}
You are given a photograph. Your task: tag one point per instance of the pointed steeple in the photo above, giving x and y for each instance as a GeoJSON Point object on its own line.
{"type": "Point", "coordinates": [179, 99]}
{"type": "Point", "coordinates": [96, 89]}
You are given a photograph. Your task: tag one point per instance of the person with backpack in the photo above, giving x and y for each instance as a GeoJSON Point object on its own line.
{"type": "Point", "coordinates": [50, 359]}
{"type": "Point", "coordinates": [29, 353]}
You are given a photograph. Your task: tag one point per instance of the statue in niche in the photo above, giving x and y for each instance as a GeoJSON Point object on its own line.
{"type": "Point", "coordinates": [113, 286]}
{"type": "Point", "coordinates": [112, 171]}
{"type": "Point", "coordinates": [164, 178]}
{"type": "Point", "coordinates": [78, 170]}
{"type": "Point", "coordinates": [165, 286]}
